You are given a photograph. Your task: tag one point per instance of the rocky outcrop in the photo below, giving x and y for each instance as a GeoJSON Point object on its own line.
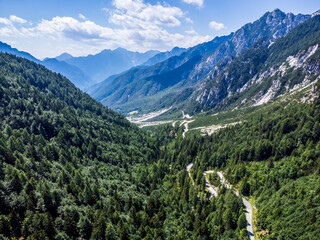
{"type": "Point", "coordinates": [270, 27]}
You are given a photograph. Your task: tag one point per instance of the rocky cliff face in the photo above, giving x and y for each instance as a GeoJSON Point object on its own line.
{"type": "Point", "coordinates": [305, 65]}
{"type": "Point", "coordinates": [266, 71]}
{"type": "Point", "coordinates": [270, 27]}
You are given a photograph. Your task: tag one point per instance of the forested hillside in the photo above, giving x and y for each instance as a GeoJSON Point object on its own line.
{"type": "Point", "coordinates": [273, 159]}
{"type": "Point", "coordinates": [71, 168]}
{"type": "Point", "coordinates": [65, 159]}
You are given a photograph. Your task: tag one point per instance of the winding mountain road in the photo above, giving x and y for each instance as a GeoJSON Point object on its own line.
{"type": "Point", "coordinates": [245, 202]}
{"type": "Point", "coordinates": [186, 129]}
{"type": "Point", "coordinates": [227, 185]}
{"type": "Point", "coordinates": [212, 190]}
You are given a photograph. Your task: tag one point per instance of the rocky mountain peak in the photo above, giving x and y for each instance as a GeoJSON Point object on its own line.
{"type": "Point", "coordinates": [64, 57]}
{"type": "Point", "coordinates": [271, 25]}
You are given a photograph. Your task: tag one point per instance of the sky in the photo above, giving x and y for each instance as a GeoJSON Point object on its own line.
{"type": "Point", "coordinates": [47, 28]}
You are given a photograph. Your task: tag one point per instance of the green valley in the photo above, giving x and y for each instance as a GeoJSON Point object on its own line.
{"type": "Point", "coordinates": [217, 138]}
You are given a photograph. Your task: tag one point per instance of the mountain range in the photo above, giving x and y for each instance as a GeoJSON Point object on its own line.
{"type": "Point", "coordinates": [109, 62]}
{"type": "Point", "coordinates": [204, 77]}
{"type": "Point", "coordinates": [73, 169]}
{"type": "Point", "coordinates": [265, 71]}
{"type": "Point", "coordinates": [194, 80]}
{"type": "Point", "coordinates": [88, 70]}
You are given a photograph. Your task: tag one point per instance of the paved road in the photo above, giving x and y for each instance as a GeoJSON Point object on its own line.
{"type": "Point", "coordinates": [209, 187]}
{"type": "Point", "coordinates": [245, 202]}
{"type": "Point", "coordinates": [227, 185]}
{"type": "Point", "coordinates": [186, 129]}
{"type": "Point", "coordinates": [174, 123]}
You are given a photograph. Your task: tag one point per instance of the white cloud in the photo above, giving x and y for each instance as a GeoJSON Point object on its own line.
{"type": "Point", "coordinates": [189, 20]}
{"type": "Point", "coordinates": [72, 28]}
{"type": "Point", "coordinates": [191, 32]}
{"type": "Point", "coordinates": [139, 36]}
{"type": "Point", "coordinates": [195, 2]}
{"type": "Point", "coordinates": [9, 31]}
{"type": "Point", "coordinates": [129, 5]}
{"type": "Point", "coordinates": [5, 21]}
{"type": "Point", "coordinates": [12, 19]}
{"type": "Point", "coordinates": [216, 26]}
{"type": "Point", "coordinates": [16, 19]}
{"type": "Point", "coordinates": [81, 16]}
{"type": "Point", "coordinates": [146, 14]}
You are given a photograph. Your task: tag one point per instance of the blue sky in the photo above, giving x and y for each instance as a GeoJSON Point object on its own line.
{"type": "Point", "coordinates": [47, 28]}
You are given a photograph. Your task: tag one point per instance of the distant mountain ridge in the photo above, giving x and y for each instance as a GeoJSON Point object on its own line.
{"type": "Point", "coordinates": [88, 70]}
{"type": "Point", "coordinates": [137, 80]}
{"type": "Point", "coordinates": [141, 89]}
{"type": "Point", "coordinates": [160, 57]}
{"type": "Point", "coordinates": [74, 74]}
{"type": "Point", "coordinates": [109, 62]}
{"type": "Point", "coordinates": [64, 57]}
{"type": "Point", "coordinates": [6, 48]}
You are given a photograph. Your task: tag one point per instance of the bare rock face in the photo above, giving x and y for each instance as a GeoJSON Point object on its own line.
{"type": "Point", "coordinates": [265, 71]}
{"type": "Point", "coordinates": [270, 26]}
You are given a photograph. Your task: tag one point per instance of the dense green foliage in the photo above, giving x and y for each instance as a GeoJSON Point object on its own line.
{"type": "Point", "coordinates": [275, 158]}
{"type": "Point", "coordinates": [72, 169]}
{"type": "Point", "coordinates": [66, 160]}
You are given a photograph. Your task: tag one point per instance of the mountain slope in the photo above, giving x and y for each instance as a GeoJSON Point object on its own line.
{"type": "Point", "coordinates": [168, 67]}
{"type": "Point", "coordinates": [77, 77]}
{"type": "Point", "coordinates": [62, 156]}
{"type": "Point", "coordinates": [52, 94]}
{"type": "Point", "coordinates": [270, 27]}
{"type": "Point", "coordinates": [70, 168]}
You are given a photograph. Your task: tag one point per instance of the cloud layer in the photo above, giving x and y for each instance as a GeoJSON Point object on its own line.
{"type": "Point", "coordinates": [12, 19]}
{"type": "Point", "coordinates": [137, 26]}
